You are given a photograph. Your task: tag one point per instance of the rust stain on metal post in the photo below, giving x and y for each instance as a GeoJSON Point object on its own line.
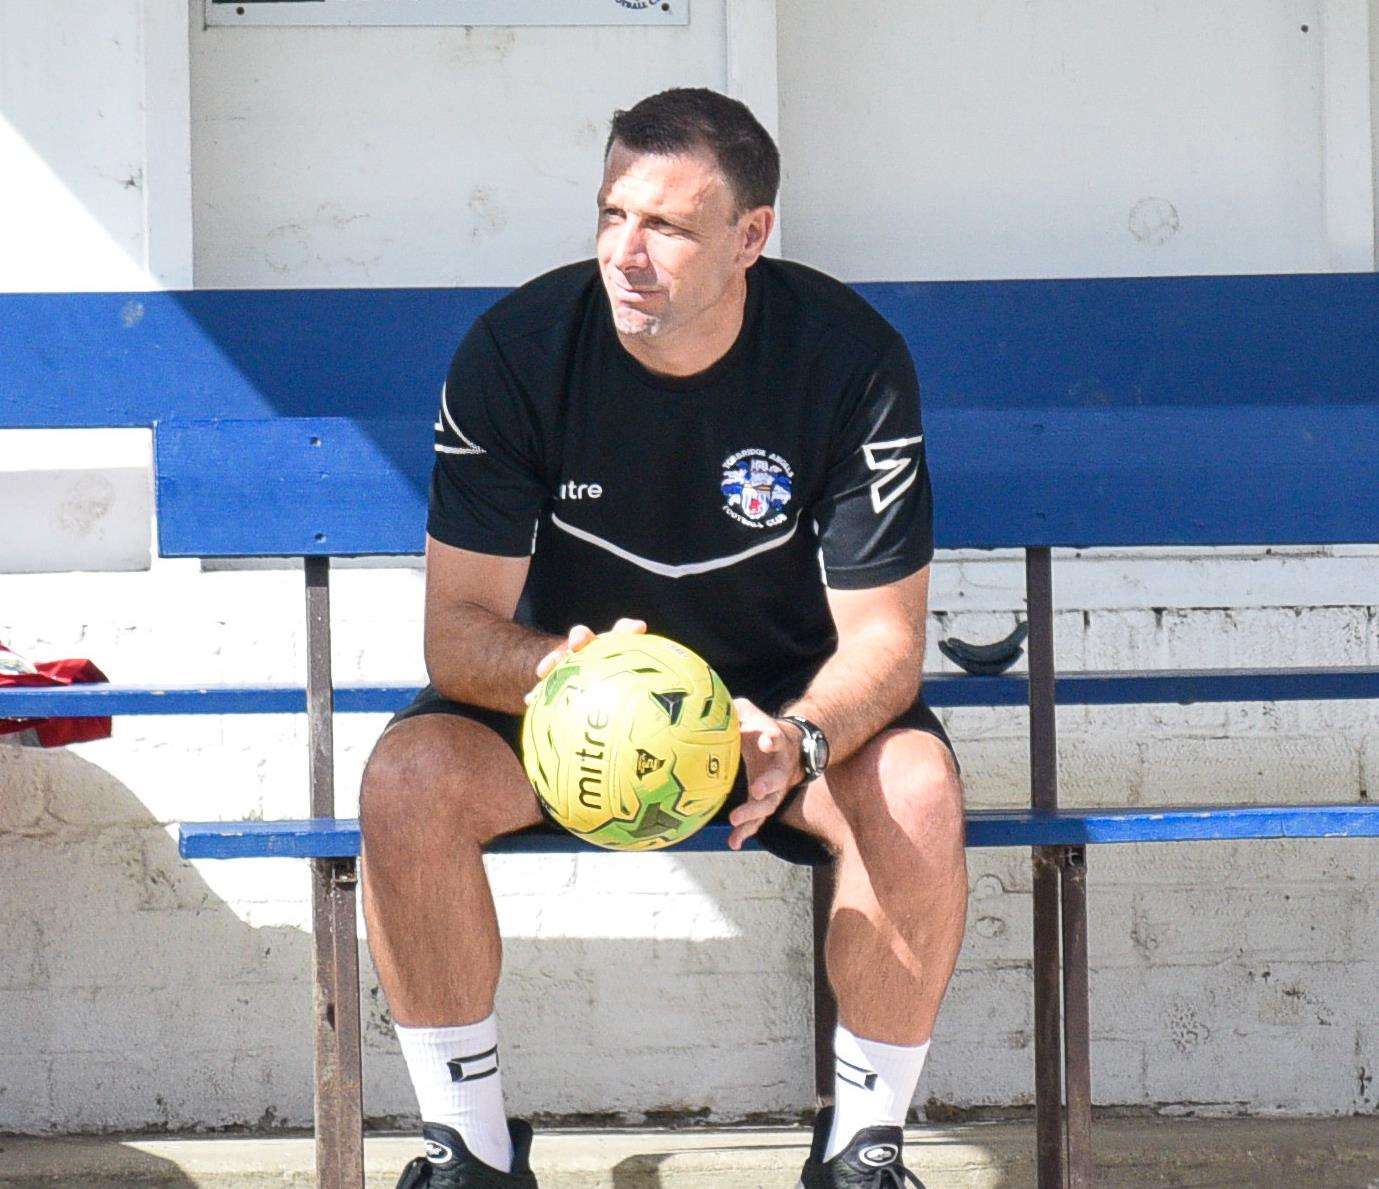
{"type": "Point", "coordinates": [1048, 1055]}
{"type": "Point", "coordinates": [335, 975]}
{"type": "Point", "coordinates": [1077, 1017]}
{"type": "Point", "coordinates": [1048, 1049]}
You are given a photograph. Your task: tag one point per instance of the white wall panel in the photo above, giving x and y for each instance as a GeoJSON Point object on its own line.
{"type": "Point", "coordinates": [1348, 177]}
{"type": "Point", "coordinates": [389, 156]}
{"type": "Point", "coordinates": [1373, 47]}
{"type": "Point", "coordinates": [1059, 138]}
{"type": "Point", "coordinates": [72, 145]}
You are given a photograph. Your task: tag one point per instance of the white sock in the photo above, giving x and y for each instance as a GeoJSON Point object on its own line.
{"type": "Point", "coordinates": [873, 1085]}
{"type": "Point", "coordinates": [455, 1074]}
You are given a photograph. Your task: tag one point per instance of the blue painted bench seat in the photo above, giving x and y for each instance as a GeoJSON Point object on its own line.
{"type": "Point", "coordinates": [329, 838]}
{"type": "Point", "coordinates": [1003, 478]}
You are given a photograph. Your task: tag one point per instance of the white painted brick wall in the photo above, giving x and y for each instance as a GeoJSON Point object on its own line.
{"type": "Point", "coordinates": [147, 992]}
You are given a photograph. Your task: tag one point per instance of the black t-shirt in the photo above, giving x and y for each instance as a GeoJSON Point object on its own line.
{"type": "Point", "coordinates": [713, 506]}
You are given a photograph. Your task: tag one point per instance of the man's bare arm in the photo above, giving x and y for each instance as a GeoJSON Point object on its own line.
{"type": "Point", "coordinates": [874, 675]}
{"type": "Point", "coordinates": [474, 651]}
{"type": "Point", "coordinates": [871, 678]}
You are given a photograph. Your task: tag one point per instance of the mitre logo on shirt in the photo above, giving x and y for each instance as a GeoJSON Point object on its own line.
{"type": "Point", "coordinates": [756, 487]}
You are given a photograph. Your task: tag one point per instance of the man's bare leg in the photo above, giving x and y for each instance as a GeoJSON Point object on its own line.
{"type": "Point", "coordinates": [893, 817]}
{"type": "Point", "coordinates": [436, 789]}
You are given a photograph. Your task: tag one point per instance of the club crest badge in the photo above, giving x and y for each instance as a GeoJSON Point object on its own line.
{"type": "Point", "coordinates": [756, 487]}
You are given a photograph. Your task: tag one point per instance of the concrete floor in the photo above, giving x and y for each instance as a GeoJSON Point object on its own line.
{"type": "Point", "coordinates": [1274, 1153]}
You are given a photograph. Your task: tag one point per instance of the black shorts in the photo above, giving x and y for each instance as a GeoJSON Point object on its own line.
{"type": "Point", "coordinates": [781, 840]}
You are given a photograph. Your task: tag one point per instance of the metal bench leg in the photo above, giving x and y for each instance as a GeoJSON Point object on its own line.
{"type": "Point", "coordinates": [1077, 1016]}
{"type": "Point", "coordinates": [335, 965]}
{"type": "Point", "coordinates": [1048, 1053]}
{"type": "Point", "coordinates": [1043, 756]}
{"type": "Point", "coordinates": [339, 1093]}
{"type": "Point", "coordinates": [825, 1008]}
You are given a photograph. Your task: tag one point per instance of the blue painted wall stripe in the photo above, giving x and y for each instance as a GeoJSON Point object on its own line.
{"type": "Point", "coordinates": [1290, 339]}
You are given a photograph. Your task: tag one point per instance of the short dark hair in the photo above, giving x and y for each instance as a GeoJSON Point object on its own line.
{"type": "Point", "coordinates": [687, 119]}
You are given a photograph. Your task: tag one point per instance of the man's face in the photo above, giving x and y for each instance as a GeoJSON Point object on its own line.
{"type": "Point", "coordinates": [669, 239]}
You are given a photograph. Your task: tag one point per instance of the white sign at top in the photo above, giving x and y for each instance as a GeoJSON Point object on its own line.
{"type": "Point", "coordinates": [447, 12]}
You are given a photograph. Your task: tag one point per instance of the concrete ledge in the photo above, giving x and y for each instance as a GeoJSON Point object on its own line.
{"type": "Point", "coordinates": [1326, 1153]}
{"type": "Point", "coordinates": [75, 499]}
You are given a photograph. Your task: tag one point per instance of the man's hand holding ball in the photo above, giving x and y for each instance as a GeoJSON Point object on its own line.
{"type": "Point", "coordinates": [775, 765]}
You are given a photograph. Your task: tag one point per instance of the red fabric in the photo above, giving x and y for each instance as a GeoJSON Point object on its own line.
{"type": "Point", "coordinates": [57, 732]}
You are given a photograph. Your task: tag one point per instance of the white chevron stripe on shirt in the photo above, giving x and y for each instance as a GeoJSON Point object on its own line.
{"type": "Point", "coordinates": [469, 447]}
{"type": "Point", "coordinates": [664, 569]}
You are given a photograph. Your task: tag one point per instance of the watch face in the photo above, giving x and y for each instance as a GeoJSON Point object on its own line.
{"type": "Point", "coordinates": [816, 748]}
{"type": "Point", "coordinates": [813, 746]}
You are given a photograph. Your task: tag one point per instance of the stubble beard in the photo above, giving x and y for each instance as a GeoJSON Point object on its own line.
{"type": "Point", "coordinates": [636, 323]}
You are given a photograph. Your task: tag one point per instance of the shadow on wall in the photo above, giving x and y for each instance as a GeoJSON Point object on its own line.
{"type": "Point", "coordinates": [636, 1172]}
{"type": "Point", "coordinates": [87, 1162]}
{"type": "Point", "coordinates": [140, 1001]}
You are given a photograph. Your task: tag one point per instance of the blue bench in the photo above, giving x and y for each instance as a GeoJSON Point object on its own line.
{"type": "Point", "coordinates": [1198, 411]}
{"type": "Point", "coordinates": [338, 838]}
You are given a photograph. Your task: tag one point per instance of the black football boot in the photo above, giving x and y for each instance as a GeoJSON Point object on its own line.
{"type": "Point", "coordinates": [870, 1161]}
{"type": "Point", "coordinates": [448, 1164]}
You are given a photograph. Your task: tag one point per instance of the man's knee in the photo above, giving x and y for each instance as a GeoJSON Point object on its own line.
{"type": "Point", "coordinates": [400, 779]}
{"type": "Point", "coordinates": [439, 775]}
{"type": "Point", "coordinates": [921, 790]}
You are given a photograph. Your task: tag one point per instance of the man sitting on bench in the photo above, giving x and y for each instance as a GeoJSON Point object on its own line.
{"type": "Point", "coordinates": [683, 434]}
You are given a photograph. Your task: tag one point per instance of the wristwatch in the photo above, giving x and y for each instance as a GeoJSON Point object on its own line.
{"type": "Point", "coordinates": [813, 746]}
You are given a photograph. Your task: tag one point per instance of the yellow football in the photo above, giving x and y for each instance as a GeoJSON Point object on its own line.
{"type": "Point", "coordinates": [631, 742]}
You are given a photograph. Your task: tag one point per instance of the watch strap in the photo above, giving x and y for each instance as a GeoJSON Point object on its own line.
{"type": "Point", "coordinates": [810, 731]}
